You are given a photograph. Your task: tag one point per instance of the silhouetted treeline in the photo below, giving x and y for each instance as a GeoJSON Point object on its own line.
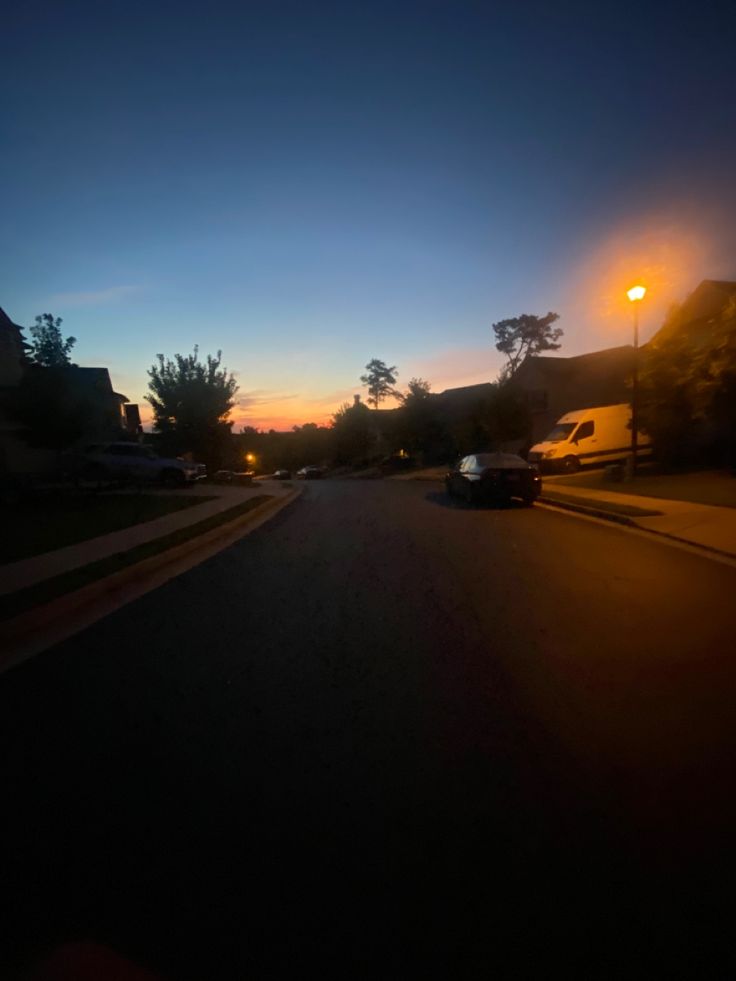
{"type": "Point", "coordinates": [432, 429]}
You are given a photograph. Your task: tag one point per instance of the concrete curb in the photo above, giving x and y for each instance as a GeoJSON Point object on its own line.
{"type": "Point", "coordinates": [623, 519]}
{"type": "Point", "coordinates": [32, 631]}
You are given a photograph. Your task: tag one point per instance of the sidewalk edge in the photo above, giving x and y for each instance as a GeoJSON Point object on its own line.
{"type": "Point", "coordinates": [623, 519]}
{"type": "Point", "coordinates": [18, 634]}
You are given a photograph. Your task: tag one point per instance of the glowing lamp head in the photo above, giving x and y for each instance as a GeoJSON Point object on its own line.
{"type": "Point", "coordinates": [636, 293]}
{"type": "Point", "coordinates": [250, 457]}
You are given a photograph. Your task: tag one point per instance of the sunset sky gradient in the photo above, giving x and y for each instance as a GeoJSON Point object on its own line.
{"type": "Point", "coordinates": [307, 186]}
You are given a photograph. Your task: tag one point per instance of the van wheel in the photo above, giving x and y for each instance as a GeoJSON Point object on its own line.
{"type": "Point", "coordinates": [571, 464]}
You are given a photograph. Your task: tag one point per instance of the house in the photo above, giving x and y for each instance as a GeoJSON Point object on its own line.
{"type": "Point", "coordinates": [107, 414]}
{"type": "Point", "coordinates": [553, 386]}
{"type": "Point", "coordinates": [12, 351]}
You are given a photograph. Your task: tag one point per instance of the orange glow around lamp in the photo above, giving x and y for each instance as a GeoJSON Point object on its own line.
{"type": "Point", "coordinates": [636, 295]}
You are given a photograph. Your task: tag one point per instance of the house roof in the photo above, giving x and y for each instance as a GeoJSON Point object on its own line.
{"type": "Point", "coordinates": [467, 391]}
{"type": "Point", "coordinates": [95, 380]}
{"type": "Point", "coordinates": [7, 324]}
{"type": "Point", "coordinates": [586, 362]}
{"type": "Point", "coordinates": [707, 300]}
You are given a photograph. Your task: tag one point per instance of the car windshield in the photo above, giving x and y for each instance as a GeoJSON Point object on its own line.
{"type": "Point", "coordinates": [500, 461]}
{"type": "Point", "coordinates": [561, 432]}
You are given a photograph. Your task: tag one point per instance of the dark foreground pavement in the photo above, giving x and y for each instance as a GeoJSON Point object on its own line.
{"type": "Point", "coordinates": [386, 737]}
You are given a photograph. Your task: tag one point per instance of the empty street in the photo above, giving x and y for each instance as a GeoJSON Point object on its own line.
{"type": "Point", "coordinates": [385, 735]}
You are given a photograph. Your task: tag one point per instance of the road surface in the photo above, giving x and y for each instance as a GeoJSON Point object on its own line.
{"type": "Point", "coordinates": [384, 736]}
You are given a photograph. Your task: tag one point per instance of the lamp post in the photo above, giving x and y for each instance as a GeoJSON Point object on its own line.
{"type": "Point", "coordinates": [636, 295]}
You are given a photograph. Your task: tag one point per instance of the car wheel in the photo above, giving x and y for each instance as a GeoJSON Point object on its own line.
{"type": "Point", "coordinates": [469, 495]}
{"type": "Point", "coordinates": [449, 488]}
{"type": "Point", "coordinates": [528, 501]}
{"type": "Point", "coordinates": [571, 464]}
{"type": "Point", "coordinates": [172, 478]}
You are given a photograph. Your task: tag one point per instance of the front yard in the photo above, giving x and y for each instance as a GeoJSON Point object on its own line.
{"type": "Point", "coordinates": [55, 521]}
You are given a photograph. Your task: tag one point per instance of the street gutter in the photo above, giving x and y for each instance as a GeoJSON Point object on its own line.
{"type": "Point", "coordinates": [42, 626]}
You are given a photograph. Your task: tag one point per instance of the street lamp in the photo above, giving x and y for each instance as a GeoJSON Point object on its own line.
{"type": "Point", "coordinates": [636, 295]}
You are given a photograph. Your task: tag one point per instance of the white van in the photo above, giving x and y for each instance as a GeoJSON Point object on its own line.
{"type": "Point", "coordinates": [589, 436]}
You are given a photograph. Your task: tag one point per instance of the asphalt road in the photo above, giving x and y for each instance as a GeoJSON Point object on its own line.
{"type": "Point", "coordinates": [386, 737]}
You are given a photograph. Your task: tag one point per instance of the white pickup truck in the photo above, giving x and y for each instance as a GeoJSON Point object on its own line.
{"type": "Point", "coordinates": [137, 463]}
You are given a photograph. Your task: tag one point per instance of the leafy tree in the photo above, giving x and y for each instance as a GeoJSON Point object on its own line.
{"type": "Point", "coordinates": [48, 347]}
{"type": "Point", "coordinates": [417, 391]}
{"type": "Point", "coordinates": [524, 336]}
{"type": "Point", "coordinates": [687, 386]}
{"type": "Point", "coordinates": [379, 379]}
{"type": "Point", "coordinates": [191, 400]}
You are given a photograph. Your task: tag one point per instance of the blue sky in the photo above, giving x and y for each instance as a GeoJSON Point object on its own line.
{"type": "Point", "coordinates": [310, 185]}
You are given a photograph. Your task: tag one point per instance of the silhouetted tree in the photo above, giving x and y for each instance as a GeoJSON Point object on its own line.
{"type": "Point", "coordinates": [418, 390]}
{"type": "Point", "coordinates": [521, 337]}
{"type": "Point", "coordinates": [48, 347]}
{"type": "Point", "coordinates": [191, 400]}
{"type": "Point", "coordinates": [687, 386]}
{"type": "Point", "coordinates": [379, 379]}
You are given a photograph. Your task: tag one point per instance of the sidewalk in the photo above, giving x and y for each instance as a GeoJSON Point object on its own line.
{"type": "Point", "coordinates": [28, 572]}
{"type": "Point", "coordinates": [698, 524]}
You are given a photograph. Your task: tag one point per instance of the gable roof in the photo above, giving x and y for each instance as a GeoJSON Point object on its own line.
{"type": "Point", "coordinates": [707, 300]}
{"type": "Point", "coordinates": [7, 324]}
{"type": "Point", "coordinates": [466, 392]}
{"type": "Point", "coordinates": [96, 381]}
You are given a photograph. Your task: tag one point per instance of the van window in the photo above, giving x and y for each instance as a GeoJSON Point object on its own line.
{"type": "Point", "coordinates": [560, 433]}
{"type": "Point", "coordinates": [585, 430]}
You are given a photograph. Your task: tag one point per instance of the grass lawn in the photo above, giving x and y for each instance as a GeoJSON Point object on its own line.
{"type": "Point", "coordinates": [42, 525]}
{"type": "Point", "coordinates": [13, 604]}
{"type": "Point", "coordinates": [715, 487]}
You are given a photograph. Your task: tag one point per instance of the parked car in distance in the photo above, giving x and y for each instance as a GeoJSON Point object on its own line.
{"type": "Point", "coordinates": [309, 473]}
{"type": "Point", "coordinates": [494, 478]}
{"type": "Point", "coordinates": [587, 437]}
{"type": "Point", "coordinates": [136, 463]}
{"type": "Point", "coordinates": [282, 475]}
{"type": "Point", "coordinates": [223, 476]}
